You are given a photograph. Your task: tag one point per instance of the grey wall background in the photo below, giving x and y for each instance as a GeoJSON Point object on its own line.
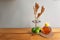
{"type": "Point", "coordinates": [19, 13]}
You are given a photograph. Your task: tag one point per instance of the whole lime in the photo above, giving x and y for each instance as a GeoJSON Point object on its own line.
{"type": "Point", "coordinates": [37, 31]}
{"type": "Point", "coordinates": [33, 30]}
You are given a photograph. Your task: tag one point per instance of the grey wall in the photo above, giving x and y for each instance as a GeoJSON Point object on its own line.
{"type": "Point", "coordinates": [7, 13]}
{"type": "Point", "coordinates": [19, 13]}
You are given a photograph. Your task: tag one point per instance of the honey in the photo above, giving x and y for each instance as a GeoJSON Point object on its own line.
{"type": "Point", "coordinates": [46, 30]}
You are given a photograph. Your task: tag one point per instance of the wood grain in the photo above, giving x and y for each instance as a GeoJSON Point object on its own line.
{"type": "Point", "coordinates": [25, 34]}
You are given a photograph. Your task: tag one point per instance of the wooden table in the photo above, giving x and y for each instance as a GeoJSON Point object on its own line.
{"type": "Point", "coordinates": [25, 34]}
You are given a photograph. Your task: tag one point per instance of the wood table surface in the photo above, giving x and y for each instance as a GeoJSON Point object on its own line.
{"type": "Point", "coordinates": [25, 34]}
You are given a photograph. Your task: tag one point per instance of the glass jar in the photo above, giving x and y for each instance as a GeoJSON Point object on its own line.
{"type": "Point", "coordinates": [36, 22]}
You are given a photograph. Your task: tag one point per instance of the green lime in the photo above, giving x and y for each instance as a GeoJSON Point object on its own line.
{"type": "Point", "coordinates": [37, 31]}
{"type": "Point", "coordinates": [33, 30]}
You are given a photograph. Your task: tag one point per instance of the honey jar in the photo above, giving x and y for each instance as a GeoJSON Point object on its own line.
{"type": "Point", "coordinates": [46, 29]}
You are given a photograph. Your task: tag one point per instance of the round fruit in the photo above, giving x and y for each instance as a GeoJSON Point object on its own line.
{"type": "Point", "coordinates": [37, 31]}
{"type": "Point", "coordinates": [33, 30]}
